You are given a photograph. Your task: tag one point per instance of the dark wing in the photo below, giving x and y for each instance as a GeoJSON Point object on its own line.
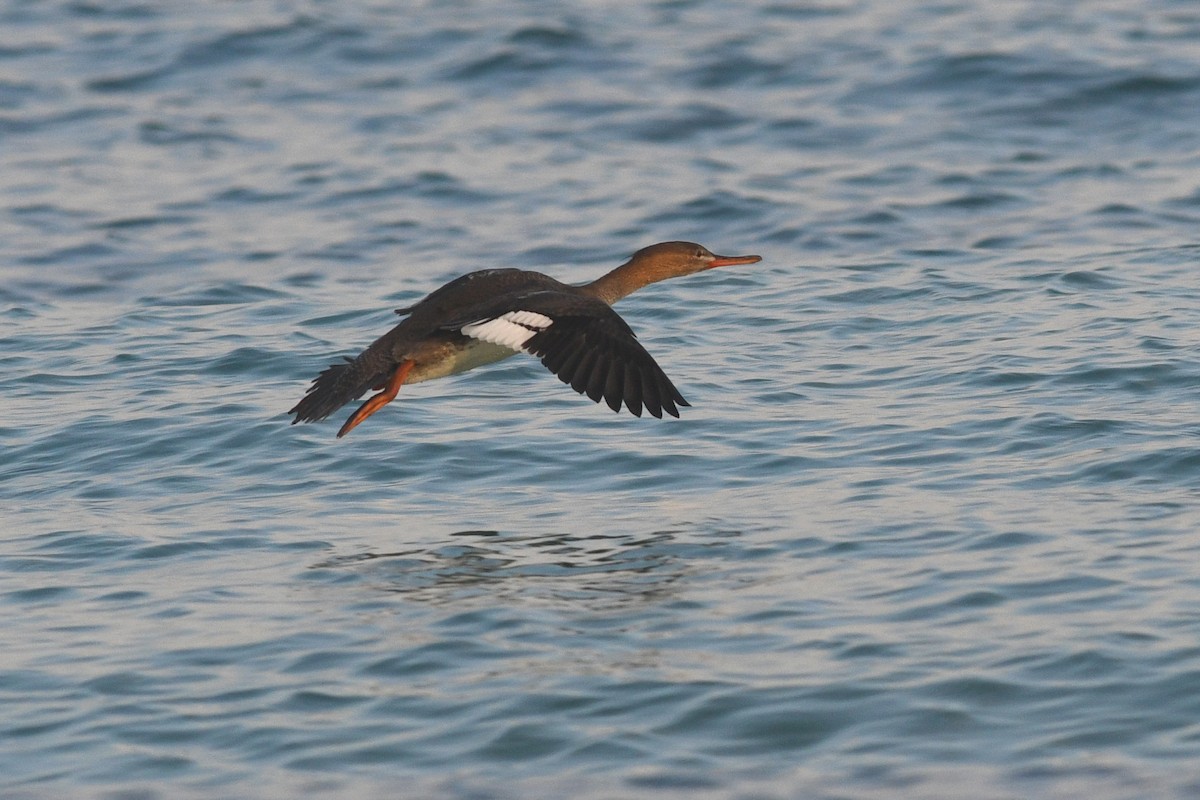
{"type": "Point", "coordinates": [582, 341]}
{"type": "Point", "coordinates": [602, 359]}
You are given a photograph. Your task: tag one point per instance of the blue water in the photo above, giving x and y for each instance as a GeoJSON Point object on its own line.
{"type": "Point", "coordinates": [930, 529]}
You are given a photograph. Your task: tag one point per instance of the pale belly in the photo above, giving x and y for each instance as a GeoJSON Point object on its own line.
{"type": "Point", "coordinates": [451, 360]}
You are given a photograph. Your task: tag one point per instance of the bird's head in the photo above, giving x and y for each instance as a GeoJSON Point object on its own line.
{"type": "Point", "coordinates": [673, 259]}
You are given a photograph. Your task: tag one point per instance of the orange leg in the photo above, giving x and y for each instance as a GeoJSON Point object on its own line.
{"type": "Point", "coordinates": [378, 401]}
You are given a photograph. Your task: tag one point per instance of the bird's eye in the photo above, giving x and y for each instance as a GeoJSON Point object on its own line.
{"type": "Point", "coordinates": [700, 253]}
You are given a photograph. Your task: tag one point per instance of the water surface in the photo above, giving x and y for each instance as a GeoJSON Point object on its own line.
{"type": "Point", "coordinates": [928, 529]}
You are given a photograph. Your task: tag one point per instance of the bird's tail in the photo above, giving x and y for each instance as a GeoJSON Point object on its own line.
{"type": "Point", "coordinates": [336, 386]}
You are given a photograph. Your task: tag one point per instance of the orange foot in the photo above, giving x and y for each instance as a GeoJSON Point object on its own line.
{"type": "Point", "coordinates": [378, 401]}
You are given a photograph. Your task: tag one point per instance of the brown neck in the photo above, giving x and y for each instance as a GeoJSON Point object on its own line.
{"type": "Point", "coordinates": [624, 280]}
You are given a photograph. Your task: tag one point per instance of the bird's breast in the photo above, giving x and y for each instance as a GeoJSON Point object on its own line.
{"type": "Point", "coordinates": [440, 359]}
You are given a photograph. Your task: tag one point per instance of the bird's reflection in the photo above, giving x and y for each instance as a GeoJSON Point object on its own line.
{"type": "Point", "coordinates": [600, 570]}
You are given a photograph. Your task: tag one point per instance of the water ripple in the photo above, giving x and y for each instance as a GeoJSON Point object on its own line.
{"type": "Point", "coordinates": [927, 524]}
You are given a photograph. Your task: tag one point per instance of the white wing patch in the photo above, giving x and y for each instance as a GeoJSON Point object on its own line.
{"type": "Point", "coordinates": [512, 329]}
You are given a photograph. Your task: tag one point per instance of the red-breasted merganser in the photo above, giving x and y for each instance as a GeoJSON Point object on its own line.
{"type": "Point", "coordinates": [492, 314]}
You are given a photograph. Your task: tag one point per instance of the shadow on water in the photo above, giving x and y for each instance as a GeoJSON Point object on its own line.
{"type": "Point", "coordinates": [602, 571]}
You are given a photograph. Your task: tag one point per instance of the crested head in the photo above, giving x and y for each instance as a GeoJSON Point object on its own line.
{"type": "Point", "coordinates": [657, 263]}
{"type": "Point", "coordinates": [673, 259]}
